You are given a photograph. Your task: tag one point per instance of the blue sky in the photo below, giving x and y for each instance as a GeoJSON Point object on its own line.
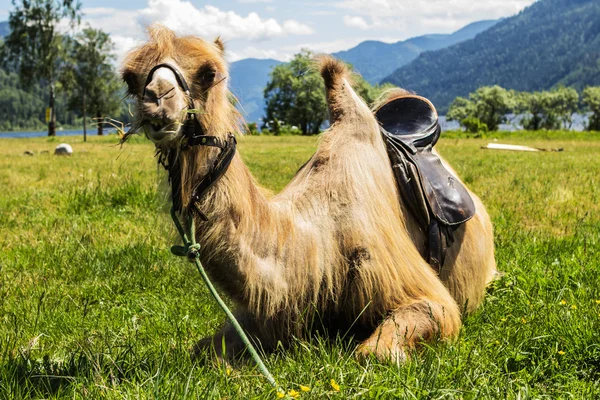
{"type": "Point", "coordinates": [278, 29]}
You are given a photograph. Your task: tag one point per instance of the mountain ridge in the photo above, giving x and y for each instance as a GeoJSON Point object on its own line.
{"type": "Point", "coordinates": [549, 43]}
{"type": "Point", "coordinates": [375, 59]}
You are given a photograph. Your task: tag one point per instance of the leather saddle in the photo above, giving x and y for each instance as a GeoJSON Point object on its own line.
{"type": "Point", "coordinates": [437, 199]}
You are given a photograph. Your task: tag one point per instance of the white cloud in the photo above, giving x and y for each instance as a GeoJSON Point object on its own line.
{"type": "Point", "coordinates": [113, 21]}
{"type": "Point", "coordinates": [91, 11]}
{"type": "Point", "coordinates": [254, 52]}
{"type": "Point", "coordinates": [254, 1]}
{"type": "Point", "coordinates": [355, 22]}
{"type": "Point", "coordinates": [296, 28]}
{"type": "Point", "coordinates": [122, 45]}
{"type": "Point", "coordinates": [417, 17]}
{"type": "Point", "coordinates": [209, 21]}
{"type": "Point", "coordinates": [127, 26]}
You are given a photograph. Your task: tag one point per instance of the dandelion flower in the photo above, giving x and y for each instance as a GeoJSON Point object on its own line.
{"type": "Point", "coordinates": [280, 395]}
{"type": "Point", "coordinates": [228, 371]}
{"type": "Point", "coordinates": [294, 394]}
{"type": "Point", "coordinates": [563, 302]}
{"type": "Point", "coordinates": [523, 320]}
{"type": "Point", "coordinates": [573, 307]}
{"type": "Point", "coordinates": [562, 353]}
{"type": "Point", "coordinates": [597, 301]}
{"type": "Point", "coordinates": [304, 388]}
{"type": "Point", "coordinates": [503, 319]}
{"type": "Point", "coordinates": [334, 385]}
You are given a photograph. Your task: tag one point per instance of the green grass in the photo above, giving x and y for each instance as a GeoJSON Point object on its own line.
{"type": "Point", "coordinates": [93, 305]}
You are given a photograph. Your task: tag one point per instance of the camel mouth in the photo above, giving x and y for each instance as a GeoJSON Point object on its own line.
{"type": "Point", "coordinates": [160, 132]}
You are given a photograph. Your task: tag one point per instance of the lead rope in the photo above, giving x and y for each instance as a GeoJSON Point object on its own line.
{"type": "Point", "coordinates": [190, 249]}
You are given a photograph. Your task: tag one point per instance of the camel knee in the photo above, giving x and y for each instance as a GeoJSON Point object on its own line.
{"type": "Point", "coordinates": [410, 325]}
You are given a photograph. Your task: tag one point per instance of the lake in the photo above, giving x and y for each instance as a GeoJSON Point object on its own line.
{"type": "Point", "coordinates": [76, 132]}
{"type": "Point", "coordinates": [579, 122]}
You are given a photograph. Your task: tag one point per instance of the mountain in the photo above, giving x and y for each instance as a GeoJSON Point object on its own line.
{"type": "Point", "coordinates": [4, 29]}
{"type": "Point", "coordinates": [550, 43]}
{"type": "Point", "coordinates": [375, 60]}
{"type": "Point", "coordinates": [248, 80]}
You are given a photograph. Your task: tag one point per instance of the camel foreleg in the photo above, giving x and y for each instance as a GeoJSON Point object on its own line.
{"type": "Point", "coordinates": [409, 325]}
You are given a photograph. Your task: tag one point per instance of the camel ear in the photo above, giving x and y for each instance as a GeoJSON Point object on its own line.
{"type": "Point", "coordinates": [220, 45]}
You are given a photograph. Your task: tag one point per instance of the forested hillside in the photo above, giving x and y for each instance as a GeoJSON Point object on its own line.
{"type": "Point", "coordinates": [25, 109]}
{"type": "Point", "coordinates": [375, 60]}
{"type": "Point", "coordinates": [552, 42]}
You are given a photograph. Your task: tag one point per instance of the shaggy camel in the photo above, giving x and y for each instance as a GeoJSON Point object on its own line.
{"type": "Point", "coordinates": [335, 250]}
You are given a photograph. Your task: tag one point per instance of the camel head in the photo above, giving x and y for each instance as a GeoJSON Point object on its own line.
{"type": "Point", "coordinates": [172, 77]}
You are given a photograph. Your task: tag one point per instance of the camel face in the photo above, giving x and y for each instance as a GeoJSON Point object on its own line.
{"type": "Point", "coordinates": [163, 105]}
{"type": "Point", "coordinates": [169, 77]}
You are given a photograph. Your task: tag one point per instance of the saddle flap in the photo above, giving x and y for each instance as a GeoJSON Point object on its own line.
{"type": "Point", "coordinates": [411, 119]}
{"type": "Point", "coordinates": [447, 197]}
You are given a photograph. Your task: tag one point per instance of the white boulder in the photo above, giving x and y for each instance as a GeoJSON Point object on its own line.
{"type": "Point", "coordinates": [63, 149]}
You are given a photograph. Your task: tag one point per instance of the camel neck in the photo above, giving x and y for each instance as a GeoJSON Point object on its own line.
{"type": "Point", "coordinates": [236, 208]}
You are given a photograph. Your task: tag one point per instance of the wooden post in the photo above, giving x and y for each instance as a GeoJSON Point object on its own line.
{"type": "Point", "coordinates": [84, 125]}
{"type": "Point", "coordinates": [52, 122]}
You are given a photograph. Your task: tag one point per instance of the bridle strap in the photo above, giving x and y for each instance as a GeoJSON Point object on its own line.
{"type": "Point", "coordinates": [178, 76]}
{"type": "Point", "coordinates": [217, 170]}
{"type": "Point", "coordinates": [193, 132]}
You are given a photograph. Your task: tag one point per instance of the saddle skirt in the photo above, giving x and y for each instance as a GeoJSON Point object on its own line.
{"type": "Point", "coordinates": [436, 198]}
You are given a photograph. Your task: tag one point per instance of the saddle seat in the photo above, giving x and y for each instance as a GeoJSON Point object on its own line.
{"type": "Point", "coordinates": [436, 198]}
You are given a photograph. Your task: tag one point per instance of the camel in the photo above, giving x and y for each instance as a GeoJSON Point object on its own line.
{"type": "Point", "coordinates": [336, 250]}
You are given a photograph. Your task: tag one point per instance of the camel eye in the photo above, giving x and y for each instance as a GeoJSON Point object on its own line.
{"type": "Point", "coordinates": [210, 76]}
{"type": "Point", "coordinates": [206, 75]}
{"type": "Point", "coordinates": [131, 80]}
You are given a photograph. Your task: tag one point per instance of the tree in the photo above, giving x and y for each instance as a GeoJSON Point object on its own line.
{"type": "Point", "coordinates": [485, 109]}
{"type": "Point", "coordinates": [90, 76]}
{"type": "Point", "coordinates": [548, 109]}
{"type": "Point", "coordinates": [492, 103]}
{"type": "Point", "coordinates": [464, 111]}
{"type": "Point", "coordinates": [36, 46]}
{"type": "Point", "coordinates": [295, 95]}
{"type": "Point", "coordinates": [536, 106]}
{"type": "Point", "coordinates": [591, 99]}
{"type": "Point", "coordinates": [565, 103]}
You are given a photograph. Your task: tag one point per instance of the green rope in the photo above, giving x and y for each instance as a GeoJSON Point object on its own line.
{"type": "Point", "coordinates": [190, 249]}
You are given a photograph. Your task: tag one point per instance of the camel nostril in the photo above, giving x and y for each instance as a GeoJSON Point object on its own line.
{"type": "Point", "coordinates": [154, 93]}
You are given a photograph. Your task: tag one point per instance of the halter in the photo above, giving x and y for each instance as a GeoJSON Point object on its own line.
{"type": "Point", "coordinates": [193, 134]}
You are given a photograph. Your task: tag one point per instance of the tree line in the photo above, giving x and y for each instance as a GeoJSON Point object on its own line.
{"type": "Point", "coordinates": [489, 106]}
{"type": "Point", "coordinates": [295, 103]}
{"type": "Point", "coordinates": [72, 73]}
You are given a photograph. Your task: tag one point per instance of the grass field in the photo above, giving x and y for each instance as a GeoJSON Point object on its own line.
{"type": "Point", "coordinates": [93, 305]}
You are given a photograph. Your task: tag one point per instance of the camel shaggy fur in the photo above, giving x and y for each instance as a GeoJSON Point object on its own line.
{"type": "Point", "coordinates": [335, 250]}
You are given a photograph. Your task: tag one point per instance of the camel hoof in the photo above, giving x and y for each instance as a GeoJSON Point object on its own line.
{"type": "Point", "coordinates": [396, 355]}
